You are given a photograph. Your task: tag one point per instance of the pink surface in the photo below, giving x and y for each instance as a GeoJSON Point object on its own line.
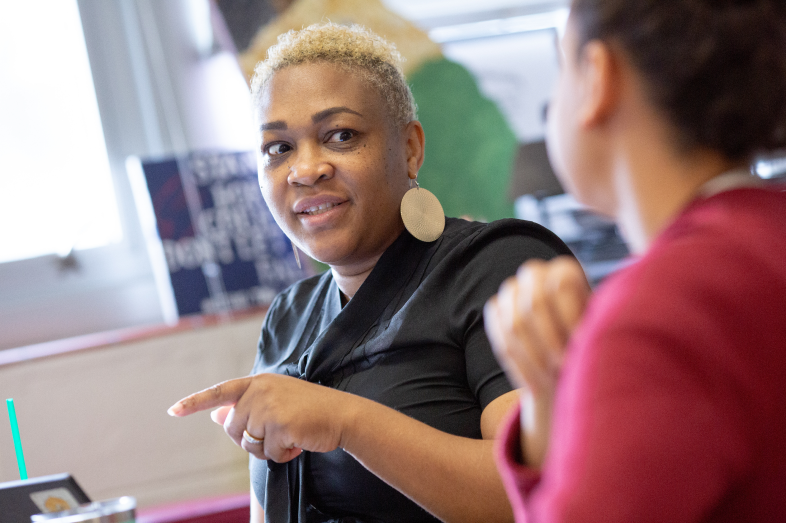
{"type": "Point", "coordinates": [224, 509]}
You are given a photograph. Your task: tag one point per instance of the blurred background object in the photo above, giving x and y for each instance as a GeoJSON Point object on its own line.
{"type": "Point", "coordinates": [594, 239]}
{"type": "Point", "coordinates": [213, 244]}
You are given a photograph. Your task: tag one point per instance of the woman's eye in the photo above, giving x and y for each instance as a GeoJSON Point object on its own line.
{"type": "Point", "coordinates": [341, 136]}
{"type": "Point", "coordinates": [277, 148]}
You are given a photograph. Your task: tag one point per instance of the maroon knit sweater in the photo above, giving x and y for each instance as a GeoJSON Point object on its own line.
{"type": "Point", "coordinates": [672, 403]}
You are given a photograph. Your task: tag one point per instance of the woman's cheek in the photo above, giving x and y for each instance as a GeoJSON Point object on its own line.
{"type": "Point", "coordinates": [562, 136]}
{"type": "Point", "coordinates": [554, 143]}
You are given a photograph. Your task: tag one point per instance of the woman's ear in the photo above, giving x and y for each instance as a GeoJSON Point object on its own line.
{"type": "Point", "coordinates": [415, 147]}
{"type": "Point", "coordinates": [599, 76]}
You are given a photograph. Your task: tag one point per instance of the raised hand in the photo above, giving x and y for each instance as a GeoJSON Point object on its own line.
{"type": "Point", "coordinates": [528, 324]}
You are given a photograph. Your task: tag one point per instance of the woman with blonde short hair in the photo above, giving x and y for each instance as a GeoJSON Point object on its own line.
{"type": "Point", "coordinates": [375, 394]}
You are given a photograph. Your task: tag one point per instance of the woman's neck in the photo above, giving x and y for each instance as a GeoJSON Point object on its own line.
{"type": "Point", "coordinates": [349, 278]}
{"type": "Point", "coordinates": [653, 185]}
{"type": "Point", "coordinates": [645, 179]}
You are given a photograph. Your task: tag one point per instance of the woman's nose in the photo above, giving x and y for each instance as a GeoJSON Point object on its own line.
{"type": "Point", "coordinates": [309, 168]}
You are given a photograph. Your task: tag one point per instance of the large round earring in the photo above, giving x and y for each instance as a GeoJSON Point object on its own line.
{"type": "Point", "coordinates": [422, 213]}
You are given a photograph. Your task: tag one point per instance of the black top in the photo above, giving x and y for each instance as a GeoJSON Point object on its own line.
{"type": "Point", "coordinates": [411, 338]}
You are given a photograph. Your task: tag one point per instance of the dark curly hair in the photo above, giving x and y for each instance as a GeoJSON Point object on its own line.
{"type": "Point", "coordinates": [716, 68]}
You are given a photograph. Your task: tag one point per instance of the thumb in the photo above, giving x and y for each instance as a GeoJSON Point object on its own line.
{"type": "Point", "coordinates": [220, 414]}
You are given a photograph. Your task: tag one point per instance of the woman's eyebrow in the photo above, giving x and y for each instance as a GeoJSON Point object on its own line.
{"type": "Point", "coordinates": [321, 115]}
{"type": "Point", "coordinates": [278, 125]}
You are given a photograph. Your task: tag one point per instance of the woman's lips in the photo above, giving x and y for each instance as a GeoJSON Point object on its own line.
{"type": "Point", "coordinates": [319, 209]}
{"type": "Point", "coordinates": [317, 204]}
{"type": "Point", "coordinates": [321, 212]}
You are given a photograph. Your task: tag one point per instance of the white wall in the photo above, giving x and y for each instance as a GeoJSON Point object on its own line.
{"type": "Point", "coordinates": [100, 414]}
{"type": "Point", "coordinates": [516, 71]}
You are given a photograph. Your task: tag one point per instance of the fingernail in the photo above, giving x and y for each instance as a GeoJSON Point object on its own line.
{"type": "Point", "coordinates": [175, 409]}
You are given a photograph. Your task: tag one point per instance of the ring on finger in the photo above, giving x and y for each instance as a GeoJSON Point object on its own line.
{"type": "Point", "coordinates": [251, 440]}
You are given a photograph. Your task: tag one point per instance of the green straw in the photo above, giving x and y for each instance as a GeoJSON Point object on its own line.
{"type": "Point", "coordinates": [20, 457]}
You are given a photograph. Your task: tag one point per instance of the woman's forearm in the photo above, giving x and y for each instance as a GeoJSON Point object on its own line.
{"type": "Point", "coordinates": [536, 414]}
{"type": "Point", "coordinates": [257, 513]}
{"type": "Point", "coordinates": [452, 477]}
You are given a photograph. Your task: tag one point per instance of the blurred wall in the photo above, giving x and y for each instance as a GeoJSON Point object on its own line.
{"type": "Point", "coordinates": [100, 414]}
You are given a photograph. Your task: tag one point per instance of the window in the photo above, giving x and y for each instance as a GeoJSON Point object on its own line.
{"type": "Point", "coordinates": [55, 185]}
{"type": "Point", "coordinates": [160, 90]}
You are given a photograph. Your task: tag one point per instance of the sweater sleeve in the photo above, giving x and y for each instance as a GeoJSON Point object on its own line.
{"type": "Point", "coordinates": [639, 434]}
{"type": "Point", "coordinates": [672, 402]}
{"type": "Point", "coordinates": [662, 392]}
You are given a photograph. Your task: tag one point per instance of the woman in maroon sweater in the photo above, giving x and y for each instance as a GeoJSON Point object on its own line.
{"type": "Point", "coordinates": [670, 399]}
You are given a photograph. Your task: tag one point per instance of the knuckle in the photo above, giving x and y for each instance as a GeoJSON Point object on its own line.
{"type": "Point", "coordinates": [257, 453]}
{"type": "Point", "coordinates": [262, 384]}
{"type": "Point", "coordinates": [506, 287]}
{"type": "Point", "coordinates": [563, 261]}
{"type": "Point", "coordinates": [524, 270]}
{"type": "Point", "coordinates": [276, 455]}
{"type": "Point", "coordinates": [502, 346]}
{"type": "Point", "coordinates": [534, 264]}
{"type": "Point", "coordinates": [569, 269]}
{"type": "Point", "coordinates": [234, 436]}
{"type": "Point", "coordinates": [490, 310]}
{"type": "Point", "coordinates": [538, 300]}
{"type": "Point", "coordinates": [216, 391]}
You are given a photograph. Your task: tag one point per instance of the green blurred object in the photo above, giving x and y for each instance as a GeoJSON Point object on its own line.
{"type": "Point", "coordinates": [470, 148]}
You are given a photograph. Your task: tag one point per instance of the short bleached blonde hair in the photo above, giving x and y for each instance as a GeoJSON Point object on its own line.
{"type": "Point", "coordinates": [355, 48]}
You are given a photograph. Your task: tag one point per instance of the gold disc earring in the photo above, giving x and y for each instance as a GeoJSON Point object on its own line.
{"type": "Point", "coordinates": [422, 213]}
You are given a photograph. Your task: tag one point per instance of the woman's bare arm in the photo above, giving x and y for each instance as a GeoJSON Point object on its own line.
{"type": "Point", "coordinates": [452, 477]}
{"type": "Point", "coordinates": [257, 514]}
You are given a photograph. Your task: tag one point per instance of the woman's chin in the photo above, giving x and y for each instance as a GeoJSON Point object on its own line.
{"type": "Point", "coordinates": [326, 255]}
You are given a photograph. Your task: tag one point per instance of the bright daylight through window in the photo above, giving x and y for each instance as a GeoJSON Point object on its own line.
{"type": "Point", "coordinates": [55, 186]}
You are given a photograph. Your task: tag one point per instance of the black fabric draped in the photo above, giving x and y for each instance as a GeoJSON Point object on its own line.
{"type": "Point", "coordinates": [411, 338]}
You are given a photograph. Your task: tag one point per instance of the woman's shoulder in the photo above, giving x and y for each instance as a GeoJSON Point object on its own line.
{"type": "Point", "coordinates": [508, 228]}
{"type": "Point", "coordinates": [473, 258]}
{"type": "Point", "coordinates": [300, 296]}
{"type": "Point", "coordinates": [519, 239]}
{"type": "Point", "coordinates": [292, 312]}
{"type": "Point", "coordinates": [721, 257]}
{"type": "Point", "coordinates": [735, 232]}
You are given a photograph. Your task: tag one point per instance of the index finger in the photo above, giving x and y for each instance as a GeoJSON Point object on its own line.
{"type": "Point", "coordinates": [224, 393]}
